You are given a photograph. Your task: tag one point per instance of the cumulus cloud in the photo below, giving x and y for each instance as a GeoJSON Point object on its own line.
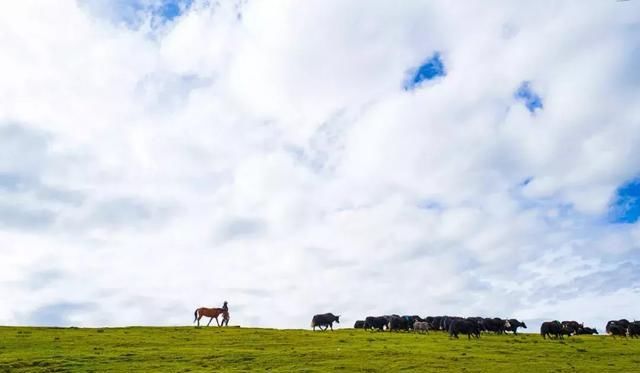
{"type": "Point", "coordinates": [171, 155]}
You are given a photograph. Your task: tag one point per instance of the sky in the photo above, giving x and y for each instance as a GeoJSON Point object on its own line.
{"type": "Point", "coordinates": [473, 158]}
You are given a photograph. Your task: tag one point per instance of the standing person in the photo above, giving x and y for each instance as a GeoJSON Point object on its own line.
{"type": "Point", "coordinates": [225, 314]}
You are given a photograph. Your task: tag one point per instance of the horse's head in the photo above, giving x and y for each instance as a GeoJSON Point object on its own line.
{"type": "Point", "coordinates": [338, 319]}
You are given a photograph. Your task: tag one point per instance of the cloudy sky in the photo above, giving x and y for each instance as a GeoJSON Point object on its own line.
{"type": "Point", "coordinates": [356, 157]}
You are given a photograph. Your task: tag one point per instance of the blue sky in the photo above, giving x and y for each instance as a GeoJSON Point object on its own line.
{"type": "Point", "coordinates": [173, 9]}
{"type": "Point", "coordinates": [531, 100]}
{"type": "Point", "coordinates": [430, 69]}
{"type": "Point", "coordinates": [483, 156]}
{"type": "Point", "coordinates": [626, 204]}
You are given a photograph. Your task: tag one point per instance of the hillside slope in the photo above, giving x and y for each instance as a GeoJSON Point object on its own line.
{"type": "Point", "coordinates": [186, 349]}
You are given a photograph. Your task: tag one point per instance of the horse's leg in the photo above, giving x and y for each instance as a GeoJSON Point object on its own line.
{"type": "Point", "coordinates": [211, 318]}
{"type": "Point", "coordinates": [331, 326]}
{"type": "Point", "coordinates": [217, 322]}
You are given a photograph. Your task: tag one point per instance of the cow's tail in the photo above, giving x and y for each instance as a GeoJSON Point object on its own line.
{"type": "Point", "coordinates": [195, 316]}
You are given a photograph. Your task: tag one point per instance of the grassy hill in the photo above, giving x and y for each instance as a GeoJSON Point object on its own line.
{"type": "Point", "coordinates": [186, 349]}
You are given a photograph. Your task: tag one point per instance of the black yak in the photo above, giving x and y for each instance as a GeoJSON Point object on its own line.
{"type": "Point", "coordinates": [325, 319]}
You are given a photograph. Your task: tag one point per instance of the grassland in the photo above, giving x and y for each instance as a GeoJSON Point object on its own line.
{"type": "Point", "coordinates": [186, 349]}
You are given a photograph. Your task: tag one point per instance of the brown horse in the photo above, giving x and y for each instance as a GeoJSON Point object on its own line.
{"type": "Point", "coordinates": [213, 313]}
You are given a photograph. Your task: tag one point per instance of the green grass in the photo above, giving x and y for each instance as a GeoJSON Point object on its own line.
{"type": "Point", "coordinates": [187, 349]}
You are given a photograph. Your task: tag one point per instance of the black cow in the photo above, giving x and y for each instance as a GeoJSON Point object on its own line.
{"type": "Point", "coordinates": [514, 325]}
{"type": "Point", "coordinates": [495, 325]}
{"type": "Point", "coordinates": [617, 327]}
{"type": "Point", "coordinates": [567, 330]}
{"type": "Point", "coordinates": [551, 328]}
{"type": "Point", "coordinates": [410, 319]}
{"type": "Point", "coordinates": [435, 322]}
{"type": "Point", "coordinates": [479, 321]}
{"type": "Point", "coordinates": [398, 323]}
{"type": "Point", "coordinates": [359, 324]}
{"type": "Point", "coordinates": [462, 326]}
{"type": "Point", "coordinates": [373, 322]}
{"type": "Point", "coordinates": [634, 329]}
{"type": "Point", "coordinates": [325, 319]}
{"type": "Point", "coordinates": [624, 323]}
{"type": "Point", "coordinates": [586, 331]}
{"type": "Point", "coordinates": [447, 320]}
{"type": "Point", "coordinates": [572, 325]}
{"type": "Point", "coordinates": [617, 330]}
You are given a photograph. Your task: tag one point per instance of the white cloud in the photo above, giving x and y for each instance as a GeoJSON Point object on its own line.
{"type": "Point", "coordinates": [268, 155]}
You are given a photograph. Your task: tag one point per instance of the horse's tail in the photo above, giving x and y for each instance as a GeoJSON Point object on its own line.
{"type": "Point", "coordinates": [195, 314]}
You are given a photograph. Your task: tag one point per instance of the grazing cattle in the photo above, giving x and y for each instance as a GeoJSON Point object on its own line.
{"type": "Point", "coordinates": [359, 324]}
{"type": "Point", "coordinates": [495, 325]}
{"type": "Point", "coordinates": [421, 326]}
{"type": "Point", "coordinates": [567, 330]}
{"type": "Point", "coordinates": [572, 325]}
{"type": "Point", "coordinates": [623, 322]}
{"type": "Point", "coordinates": [479, 321]}
{"type": "Point", "coordinates": [325, 319]}
{"type": "Point", "coordinates": [411, 319]}
{"type": "Point", "coordinates": [615, 327]}
{"type": "Point", "coordinates": [373, 322]}
{"type": "Point", "coordinates": [617, 330]}
{"type": "Point", "coordinates": [397, 323]}
{"type": "Point", "coordinates": [436, 322]}
{"type": "Point", "coordinates": [461, 326]}
{"type": "Point", "coordinates": [586, 331]}
{"type": "Point", "coordinates": [551, 328]}
{"type": "Point", "coordinates": [514, 325]}
{"type": "Point", "coordinates": [634, 329]}
{"type": "Point", "coordinates": [447, 320]}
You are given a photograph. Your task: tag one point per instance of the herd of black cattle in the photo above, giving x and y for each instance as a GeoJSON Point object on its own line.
{"type": "Point", "coordinates": [473, 326]}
